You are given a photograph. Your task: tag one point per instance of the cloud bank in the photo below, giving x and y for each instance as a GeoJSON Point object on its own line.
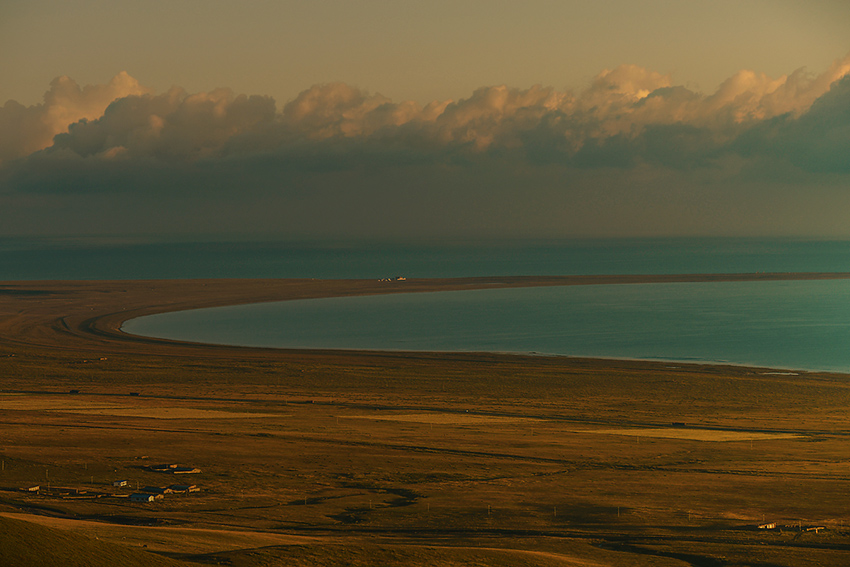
{"type": "Point", "coordinates": [630, 154]}
{"type": "Point", "coordinates": [24, 130]}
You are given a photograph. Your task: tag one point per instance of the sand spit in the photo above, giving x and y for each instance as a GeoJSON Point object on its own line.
{"type": "Point", "coordinates": [87, 315]}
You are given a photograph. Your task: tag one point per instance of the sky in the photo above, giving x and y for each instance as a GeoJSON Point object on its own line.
{"type": "Point", "coordinates": [462, 119]}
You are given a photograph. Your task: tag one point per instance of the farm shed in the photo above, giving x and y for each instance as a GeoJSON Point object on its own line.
{"type": "Point", "coordinates": [141, 498]}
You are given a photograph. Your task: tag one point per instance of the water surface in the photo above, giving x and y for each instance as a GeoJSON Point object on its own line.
{"type": "Point", "coordinates": [783, 324]}
{"type": "Point", "coordinates": [40, 259]}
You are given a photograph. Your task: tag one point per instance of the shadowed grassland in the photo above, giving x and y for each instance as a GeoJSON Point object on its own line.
{"type": "Point", "coordinates": [26, 543]}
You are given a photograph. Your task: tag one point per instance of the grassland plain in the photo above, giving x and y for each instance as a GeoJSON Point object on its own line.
{"type": "Point", "coordinates": [373, 458]}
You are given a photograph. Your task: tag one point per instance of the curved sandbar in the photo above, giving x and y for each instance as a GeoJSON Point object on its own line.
{"type": "Point", "coordinates": [88, 314]}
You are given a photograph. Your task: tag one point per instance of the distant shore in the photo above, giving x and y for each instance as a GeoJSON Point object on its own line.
{"type": "Point", "coordinates": [87, 315]}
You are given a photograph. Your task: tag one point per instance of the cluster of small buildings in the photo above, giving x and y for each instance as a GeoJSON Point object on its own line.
{"type": "Point", "coordinates": [63, 492]}
{"type": "Point", "coordinates": [174, 469]}
{"type": "Point", "coordinates": [146, 494]}
{"type": "Point", "coordinates": [153, 493]}
{"type": "Point", "coordinates": [796, 527]}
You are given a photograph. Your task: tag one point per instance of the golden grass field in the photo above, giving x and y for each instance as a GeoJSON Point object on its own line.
{"type": "Point", "coordinates": [372, 458]}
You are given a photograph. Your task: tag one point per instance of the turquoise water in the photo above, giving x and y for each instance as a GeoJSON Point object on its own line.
{"type": "Point", "coordinates": [795, 324]}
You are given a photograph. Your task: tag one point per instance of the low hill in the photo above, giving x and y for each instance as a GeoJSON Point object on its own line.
{"type": "Point", "coordinates": [24, 544]}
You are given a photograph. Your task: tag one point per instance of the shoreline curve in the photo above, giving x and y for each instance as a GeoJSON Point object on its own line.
{"type": "Point", "coordinates": [87, 315]}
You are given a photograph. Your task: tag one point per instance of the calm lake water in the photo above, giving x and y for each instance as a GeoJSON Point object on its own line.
{"type": "Point", "coordinates": [796, 325]}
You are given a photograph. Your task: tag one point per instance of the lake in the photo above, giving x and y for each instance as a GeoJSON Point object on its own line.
{"type": "Point", "coordinates": [94, 259]}
{"type": "Point", "coordinates": [782, 324]}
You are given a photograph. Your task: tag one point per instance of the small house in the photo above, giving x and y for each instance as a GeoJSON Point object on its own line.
{"type": "Point", "coordinates": [184, 488]}
{"type": "Point", "coordinates": [119, 483]}
{"type": "Point", "coordinates": [141, 498]}
{"type": "Point", "coordinates": [157, 490]}
{"type": "Point", "coordinates": [174, 469]}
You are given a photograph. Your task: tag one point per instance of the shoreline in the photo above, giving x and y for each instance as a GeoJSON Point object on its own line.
{"type": "Point", "coordinates": [88, 315]}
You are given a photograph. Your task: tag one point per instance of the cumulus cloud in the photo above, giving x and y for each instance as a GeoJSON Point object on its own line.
{"type": "Point", "coordinates": [624, 114]}
{"type": "Point", "coordinates": [26, 129]}
{"type": "Point", "coordinates": [174, 126]}
{"type": "Point", "coordinates": [818, 140]}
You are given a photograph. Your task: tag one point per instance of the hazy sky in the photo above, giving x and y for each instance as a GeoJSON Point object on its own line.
{"type": "Point", "coordinates": [461, 118]}
{"type": "Point", "coordinates": [405, 49]}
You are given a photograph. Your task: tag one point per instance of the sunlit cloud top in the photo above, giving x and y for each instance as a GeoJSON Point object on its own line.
{"type": "Point", "coordinates": [124, 118]}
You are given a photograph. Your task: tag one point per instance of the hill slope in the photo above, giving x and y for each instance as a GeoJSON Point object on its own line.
{"type": "Point", "coordinates": [24, 544]}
